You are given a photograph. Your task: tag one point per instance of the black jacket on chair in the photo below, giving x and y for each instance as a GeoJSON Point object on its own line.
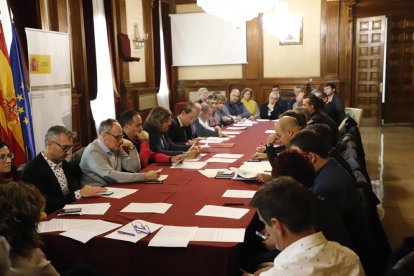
{"type": "Point", "coordinates": [39, 173]}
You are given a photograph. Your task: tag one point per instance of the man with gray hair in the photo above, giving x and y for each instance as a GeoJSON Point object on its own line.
{"type": "Point", "coordinates": [203, 94]}
{"type": "Point", "coordinates": [57, 179]}
{"type": "Point", "coordinates": [105, 161]}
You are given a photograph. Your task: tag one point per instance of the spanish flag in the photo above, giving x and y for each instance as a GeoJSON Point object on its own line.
{"type": "Point", "coordinates": [10, 128]}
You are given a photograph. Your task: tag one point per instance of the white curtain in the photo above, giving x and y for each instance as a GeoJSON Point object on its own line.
{"type": "Point", "coordinates": [103, 107]}
{"type": "Point", "coordinates": [164, 92]}
{"type": "Point", "coordinates": [5, 21]}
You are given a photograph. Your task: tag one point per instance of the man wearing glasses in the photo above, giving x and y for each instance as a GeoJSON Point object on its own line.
{"type": "Point", "coordinates": [57, 179]}
{"type": "Point", "coordinates": [105, 161]}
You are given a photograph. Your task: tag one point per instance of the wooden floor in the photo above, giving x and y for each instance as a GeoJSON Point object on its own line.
{"type": "Point", "coordinates": [390, 161]}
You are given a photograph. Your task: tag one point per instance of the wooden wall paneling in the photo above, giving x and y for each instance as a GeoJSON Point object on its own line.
{"type": "Point", "coordinates": [399, 92]}
{"type": "Point", "coordinates": [330, 39]}
{"type": "Point", "coordinates": [44, 14]}
{"type": "Point", "coordinates": [58, 19]}
{"type": "Point", "coordinates": [120, 26]}
{"type": "Point", "coordinates": [147, 7]}
{"type": "Point", "coordinates": [252, 70]}
{"type": "Point", "coordinates": [366, 8]}
{"type": "Point", "coordinates": [80, 91]}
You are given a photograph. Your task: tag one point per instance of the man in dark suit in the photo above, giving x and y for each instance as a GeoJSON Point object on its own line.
{"type": "Point", "coordinates": [180, 130]}
{"type": "Point", "coordinates": [334, 105]}
{"type": "Point", "coordinates": [57, 179]}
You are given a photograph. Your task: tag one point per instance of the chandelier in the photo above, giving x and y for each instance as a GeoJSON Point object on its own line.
{"type": "Point", "coordinates": [236, 11]}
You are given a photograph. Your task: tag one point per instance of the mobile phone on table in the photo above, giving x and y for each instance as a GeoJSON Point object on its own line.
{"type": "Point", "coordinates": [106, 193]}
{"type": "Point", "coordinates": [69, 211]}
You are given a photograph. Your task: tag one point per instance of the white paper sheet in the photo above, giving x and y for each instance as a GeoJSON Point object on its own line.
{"type": "Point", "coordinates": [236, 128]}
{"type": "Point", "coordinates": [221, 160]}
{"type": "Point", "coordinates": [231, 132]}
{"type": "Point", "coordinates": [53, 225]}
{"type": "Point", "coordinates": [270, 131]}
{"type": "Point", "coordinates": [228, 155]}
{"type": "Point", "coordinates": [173, 236]}
{"type": "Point", "coordinates": [262, 120]}
{"type": "Point", "coordinates": [87, 231]}
{"type": "Point", "coordinates": [201, 155]}
{"type": "Point", "coordinates": [190, 165]}
{"type": "Point", "coordinates": [162, 177]}
{"type": "Point", "coordinates": [91, 208]}
{"type": "Point", "coordinates": [241, 124]}
{"type": "Point", "coordinates": [128, 228]}
{"type": "Point", "coordinates": [120, 192]}
{"type": "Point", "coordinates": [219, 235]}
{"type": "Point", "coordinates": [257, 167]}
{"type": "Point", "coordinates": [222, 212]}
{"type": "Point", "coordinates": [239, 193]}
{"type": "Point", "coordinates": [158, 208]}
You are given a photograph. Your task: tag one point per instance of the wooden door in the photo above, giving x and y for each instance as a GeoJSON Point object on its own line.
{"type": "Point", "coordinates": [399, 92]}
{"type": "Point", "coordinates": [369, 56]}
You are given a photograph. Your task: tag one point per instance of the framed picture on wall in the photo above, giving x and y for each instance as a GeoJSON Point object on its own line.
{"type": "Point", "coordinates": [293, 33]}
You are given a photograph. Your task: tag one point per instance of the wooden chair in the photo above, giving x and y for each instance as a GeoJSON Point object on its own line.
{"type": "Point", "coordinates": [355, 113]}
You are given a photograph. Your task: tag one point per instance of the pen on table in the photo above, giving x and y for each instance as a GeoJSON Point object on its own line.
{"type": "Point", "coordinates": [233, 204]}
{"type": "Point", "coordinates": [125, 233]}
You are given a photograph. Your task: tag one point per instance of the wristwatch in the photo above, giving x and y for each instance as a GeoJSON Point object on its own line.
{"type": "Point", "coordinates": [77, 194]}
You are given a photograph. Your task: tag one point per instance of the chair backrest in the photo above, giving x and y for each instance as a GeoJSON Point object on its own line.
{"type": "Point", "coordinates": [355, 113]}
{"type": "Point", "coordinates": [125, 48]}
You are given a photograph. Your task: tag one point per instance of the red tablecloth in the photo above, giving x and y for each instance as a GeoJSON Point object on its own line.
{"type": "Point", "coordinates": [188, 191]}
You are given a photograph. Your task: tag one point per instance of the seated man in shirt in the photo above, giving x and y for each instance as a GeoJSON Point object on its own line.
{"type": "Point", "coordinates": [201, 124]}
{"type": "Point", "coordinates": [225, 118]}
{"type": "Point", "coordinates": [131, 124]}
{"type": "Point", "coordinates": [236, 108]}
{"type": "Point", "coordinates": [180, 130]}
{"type": "Point", "coordinates": [57, 179]}
{"type": "Point", "coordinates": [105, 161]}
{"type": "Point", "coordinates": [157, 124]}
{"type": "Point", "coordinates": [285, 207]}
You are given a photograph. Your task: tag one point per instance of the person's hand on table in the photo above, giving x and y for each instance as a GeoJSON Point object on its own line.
{"type": "Point", "coordinates": [237, 119]}
{"type": "Point", "coordinates": [193, 153]}
{"type": "Point", "coordinates": [177, 158]}
{"type": "Point", "coordinates": [259, 156]}
{"type": "Point", "coordinates": [152, 175]}
{"type": "Point", "coordinates": [261, 149]}
{"type": "Point", "coordinates": [252, 118]}
{"type": "Point", "coordinates": [262, 177]}
{"type": "Point", "coordinates": [222, 135]}
{"type": "Point", "coordinates": [91, 191]}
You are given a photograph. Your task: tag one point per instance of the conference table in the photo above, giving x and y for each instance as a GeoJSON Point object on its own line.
{"type": "Point", "coordinates": [188, 191]}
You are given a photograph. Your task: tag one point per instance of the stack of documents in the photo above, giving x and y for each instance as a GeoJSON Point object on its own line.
{"type": "Point", "coordinates": [87, 231]}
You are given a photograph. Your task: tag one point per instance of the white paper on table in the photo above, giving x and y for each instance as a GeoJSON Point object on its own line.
{"type": "Point", "coordinates": [91, 208]}
{"type": "Point", "coordinates": [190, 165]}
{"type": "Point", "coordinates": [243, 124]}
{"type": "Point", "coordinates": [236, 128]}
{"type": "Point", "coordinates": [128, 228]}
{"type": "Point", "coordinates": [158, 208]}
{"type": "Point", "coordinates": [221, 160]}
{"type": "Point", "coordinates": [120, 192]}
{"type": "Point", "coordinates": [231, 132]}
{"type": "Point", "coordinates": [162, 177]}
{"type": "Point", "coordinates": [220, 235]}
{"type": "Point", "coordinates": [205, 141]}
{"type": "Point", "coordinates": [239, 193]}
{"type": "Point", "coordinates": [257, 167]}
{"type": "Point", "coordinates": [228, 155]}
{"type": "Point", "coordinates": [173, 236]}
{"type": "Point", "coordinates": [230, 136]}
{"type": "Point", "coordinates": [270, 131]}
{"type": "Point", "coordinates": [222, 212]}
{"type": "Point", "coordinates": [204, 146]}
{"type": "Point", "coordinates": [211, 173]}
{"type": "Point", "coordinates": [263, 120]}
{"type": "Point", "coordinates": [92, 229]}
{"type": "Point", "coordinates": [201, 155]}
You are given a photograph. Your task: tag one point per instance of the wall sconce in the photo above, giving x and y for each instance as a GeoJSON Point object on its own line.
{"type": "Point", "coordinates": [138, 42]}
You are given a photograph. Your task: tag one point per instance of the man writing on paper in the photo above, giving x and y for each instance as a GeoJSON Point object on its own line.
{"type": "Point", "coordinates": [57, 179]}
{"type": "Point", "coordinates": [285, 207]}
{"type": "Point", "coordinates": [131, 124]}
{"type": "Point", "coordinates": [105, 161]}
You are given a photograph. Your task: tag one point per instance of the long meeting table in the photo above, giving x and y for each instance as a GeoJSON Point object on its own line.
{"type": "Point", "coordinates": [188, 191]}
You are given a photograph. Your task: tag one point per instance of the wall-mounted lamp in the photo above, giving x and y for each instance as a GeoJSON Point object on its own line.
{"type": "Point", "coordinates": [138, 42]}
